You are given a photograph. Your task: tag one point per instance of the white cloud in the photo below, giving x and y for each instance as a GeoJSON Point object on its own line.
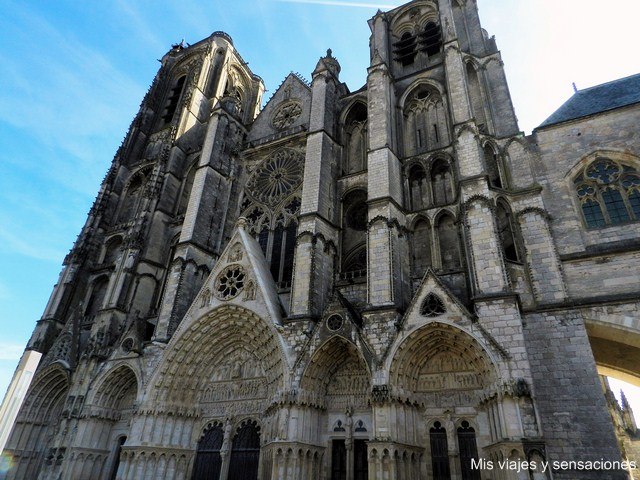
{"type": "Point", "coordinates": [11, 351]}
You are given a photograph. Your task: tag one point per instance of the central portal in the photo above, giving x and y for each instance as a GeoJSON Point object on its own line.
{"type": "Point", "coordinates": [340, 460]}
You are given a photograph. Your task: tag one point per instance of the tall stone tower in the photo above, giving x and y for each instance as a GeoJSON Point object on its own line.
{"type": "Point", "coordinates": [340, 285]}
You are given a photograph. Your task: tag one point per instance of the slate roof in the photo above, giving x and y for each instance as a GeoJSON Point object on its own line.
{"type": "Point", "coordinates": [610, 95]}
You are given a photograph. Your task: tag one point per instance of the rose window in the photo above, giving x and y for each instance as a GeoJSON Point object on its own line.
{"type": "Point", "coordinates": [230, 282]}
{"type": "Point", "coordinates": [432, 306]}
{"type": "Point", "coordinates": [286, 115]}
{"type": "Point", "coordinates": [334, 323]}
{"type": "Point", "coordinates": [277, 177]}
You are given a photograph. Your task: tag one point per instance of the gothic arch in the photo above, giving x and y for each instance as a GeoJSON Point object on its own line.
{"type": "Point", "coordinates": [439, 356]}
{"type": "Point", "coordinates": [37, 423]}
{"type": "Point", "coordinates": [108, 410]}
{"type": "Point", "coordinates": [112, 387]}
{"type": "Point", "coordinates": [416, 84]}
{"type": "Point", "coordinates": [337, 357]}
{"type": "Point", "coordinates": [355, 137]}
{"type": "Point", "coordinates": [198, 347]}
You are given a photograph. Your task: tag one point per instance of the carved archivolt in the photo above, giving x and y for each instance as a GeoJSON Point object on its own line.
{"type": "Point", "coordinates": [338, 377]}
{"type": "Point", "coordinates": [231, 342]}
{"type": "Point", "coordinates": [439, 359]}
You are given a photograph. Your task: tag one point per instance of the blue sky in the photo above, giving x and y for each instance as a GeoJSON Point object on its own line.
{"type": "Point", "coordinates": [73, 74]}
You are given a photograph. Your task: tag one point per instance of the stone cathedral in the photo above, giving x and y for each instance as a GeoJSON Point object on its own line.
{"type": "Point", "coordinates": [386, 283]}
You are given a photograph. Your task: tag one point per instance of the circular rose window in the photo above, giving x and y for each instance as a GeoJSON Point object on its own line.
{"type": "Point", "coordinates": [230, 282]}
{"type": "Point", "coordinates": [277, 177]}
{"type": "Point", "coordinates": [334, 322]}
{"type": "Point", "coordinates": [286, 114]}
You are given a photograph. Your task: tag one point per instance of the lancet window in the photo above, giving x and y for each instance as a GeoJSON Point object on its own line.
{"type": "Point", "coordinates": [506, 231]}
{"type": "Point", "coordinates": [428, 187]}
{"type": "Point", "coordinates": [492, 162]}
{"type": "Point", "coordinates": [425, 124]}
{"type": "Point", "coordinates": [449, 242]}
{"type": "Point", "coordinates": [173, 98]}
{"type": "Point", "coordinates": [355, 140]}
{"type": "Point", "coordinates": [476, 99]}
{"type": "Point", "coordinates": [354, 234]}
{"type": "Point", "coordinates": [271, 207]}
{"type": "Point", "coordinates": [608, 192]}
{"type": "Point", "coordinates": [421, 248]}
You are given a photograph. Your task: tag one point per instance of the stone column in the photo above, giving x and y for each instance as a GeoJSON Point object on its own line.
{"type": "Point", "coordinates": [314, 256]}
{"type": "Point", "coordinates": [386, 282]}
{"type": "Point", "coordinates": [225, 450]}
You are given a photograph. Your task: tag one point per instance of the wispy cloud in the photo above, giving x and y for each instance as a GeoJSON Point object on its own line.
{"type": "Point", "coordinates": [33, 249]}
{"type": "Point", "coordinates": [11, 351]}
{"type": "Point", "coordinates": [339, 3]}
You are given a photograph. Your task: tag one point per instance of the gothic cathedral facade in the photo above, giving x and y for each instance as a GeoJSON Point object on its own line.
{"type": "Point", "coordinates": [389, 283]}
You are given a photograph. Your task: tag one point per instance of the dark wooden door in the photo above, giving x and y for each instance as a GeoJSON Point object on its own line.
{"type": "Point", "coordinates": [245, 452]}
{"type": "Point", "coordinates": [468, 451]}
{"type": "Point", "coordinates": [360, 460]}
{"type": "Point", "coordinates": [439, 452]}
{"type": "Point", "coordinates": [338, 460]}
{"type": "Point", "coordinates": [208, 460]}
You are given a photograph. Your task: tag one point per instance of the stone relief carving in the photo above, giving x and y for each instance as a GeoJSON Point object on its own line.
{"type": "Point", "coordinates": [235, 255]}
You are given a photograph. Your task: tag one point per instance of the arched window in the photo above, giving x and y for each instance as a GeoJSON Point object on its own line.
{"type": "Point", "coordinates": [491, 164]}
{"type": "Point", "coordinates": [431, 39]}
{"type": "Point", "coordinates": [468, 451]}
{"type": "Point", "coordinates": [505, 231]}
{"type": "Point", "coordinates": [449, 242]}
{"type": "Point", "coordinates": [608, 192]}
{"type": "Point", "coordinates": [442, 183]}
{"type": "Point", "coordinates": [439, 452]}
{"type": "Point", "coordinates": [98, 294]}
{"type": "Point", "coordinates": [475, 98]}
{"type": "Point", "coordinates": [354, 234]}
{"type": "Point", "coordinates": [172, 100]}
{"type": "Point", "coordinates": [208, 460]}
{"type": "Point", "coordinates": [187, 185]}
{"type": "Point", "coordinates": [421, 252]}
{"type": "Point", "coordinates": [418, 188]}
{"type": "Point", "coordinates": [355, 140]}
{"type": "Point", "coordinates": [282, 253]}
{"type": "Point", "coordinates": [112, 250]}
{"type": "Point", "coordinates": [405, 49]}
{"type": "Point", "coordinates": [425, 124]}
{"type": "Point", "coordinates": [129, 204]}
{"type": "Point", "coordinates": [245, 452]}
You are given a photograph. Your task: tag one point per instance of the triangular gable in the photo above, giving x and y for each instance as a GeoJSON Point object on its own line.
{"type": "Point", "coordinates": [454, 311]}
{"type": "Point", "coordinates": [293, 90]}
{"type": "Point", "coordinates": [240, 277]}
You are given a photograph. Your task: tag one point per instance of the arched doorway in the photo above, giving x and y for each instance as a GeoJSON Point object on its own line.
{"type": "Point", "coordinates": [245, 452]}
{"type": "Point", "coordinates": [447, 376]}
{"type": "Point", "coordinates": [31, 443]}
{"type": "Point", "coordinates": [208, 460]}
{"type": "Point", "coordinates": [338, 377]}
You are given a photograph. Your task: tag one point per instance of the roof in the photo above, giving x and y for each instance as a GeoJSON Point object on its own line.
{"type": "Point", "coordinates": [601, 98]}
